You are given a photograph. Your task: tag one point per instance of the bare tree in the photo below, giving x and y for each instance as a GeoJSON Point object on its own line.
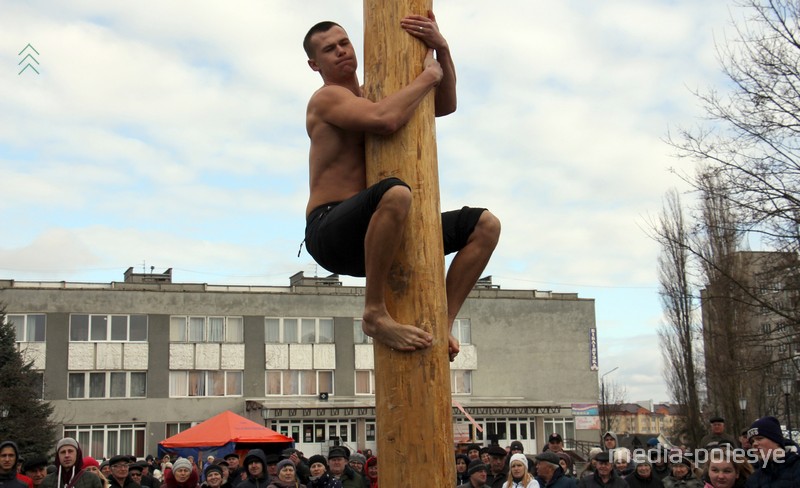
{"type": "Point", "coordinates": [749, 150]}
{"type": "Point", "coordinates": [679, 335]}
{"type": "Point", "coordinates": [751, 145]}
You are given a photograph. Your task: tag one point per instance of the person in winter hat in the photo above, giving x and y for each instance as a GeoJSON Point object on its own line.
{"type": "Point", "coordinates": [182, 475]}
{"type": "Point", "coordinates": [320, 478]}
{"type": "Point", "coordinates": [779, 466]}
{"type": "Point", "coordinates": [518, 475]}
{"type": "Point", "coordinates": [69, 470]}
{"type": "Point", "coordinates": [9, 456]}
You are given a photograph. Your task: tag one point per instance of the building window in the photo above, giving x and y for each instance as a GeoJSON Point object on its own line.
{"type": "Point", "coordinates": [359, 337]}
{"type": "Point", "coordinates": [30, 327]}
{"type": "Point", "coordinates": [175, 428]}
{"type": "Point", "coordinates": [103, 441]}
{"type": "Point", "coordinates": [108, 328]}
{"type": "Point", "coordinates": [205, 383]}
{"type": "Point", "coordinates": [565, 427]}
{"type": "Point", "coordinates": [294, 330]}
{"type": "Point", "coordinates": [107, 384]}
{"type": "Point", "coordinates": [462, 331]}
{"type": "Point", "coordinates": [461, 382]}
{"type": "Point", "coordinates": [299, 383]}
{"type": "Point", "coordinates": [370, 430]}
{"type": "Point", "coordinates": [365, 382]}
{"type": "Point", "coordinates": [206, 329]}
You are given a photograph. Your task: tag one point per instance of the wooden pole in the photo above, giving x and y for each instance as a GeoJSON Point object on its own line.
{"type": "Point", "coordinates": [412, 390]}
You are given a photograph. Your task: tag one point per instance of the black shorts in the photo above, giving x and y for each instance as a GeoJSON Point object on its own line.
{"type": "Point", "coordinates": [335, 231]}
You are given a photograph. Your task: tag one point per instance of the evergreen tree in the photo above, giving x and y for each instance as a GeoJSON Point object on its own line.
{"type": "Point", "coordinates": [24, 416]}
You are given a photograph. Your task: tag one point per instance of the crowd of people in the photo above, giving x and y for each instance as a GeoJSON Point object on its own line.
{"type": "Point", "coordinates": [760, 458]}
{"type": "Point", "coordinates": [257, 469]}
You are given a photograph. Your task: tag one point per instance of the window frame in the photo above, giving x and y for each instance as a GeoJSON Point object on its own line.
{"type": "Point", "coordinates": [205, 381]}
{"type": "Point", "coordinates": [87, 385]}
{"type": "Point", "coordinates": [109, 319]}
{"type": "Point", "coordinates": [24, 327]}
{"type": "Point", "coordinates": [290, 330]}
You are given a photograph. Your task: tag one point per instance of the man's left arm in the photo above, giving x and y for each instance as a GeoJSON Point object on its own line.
{"type": "Point", "coordinates": [427, 30]}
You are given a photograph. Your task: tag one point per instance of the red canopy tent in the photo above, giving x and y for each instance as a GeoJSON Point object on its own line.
{"type": "Point", "coordinates": [223, 434]}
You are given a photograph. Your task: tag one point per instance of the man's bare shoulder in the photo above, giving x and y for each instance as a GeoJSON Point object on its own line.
{"type": "Point", "coordinates": [328, 95]}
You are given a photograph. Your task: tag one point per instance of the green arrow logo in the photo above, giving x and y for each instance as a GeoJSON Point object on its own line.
{"type": "Point", "coordinates": [32, 59]}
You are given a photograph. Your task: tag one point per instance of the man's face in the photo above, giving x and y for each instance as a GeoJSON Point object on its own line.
{"type": "Point", "coordinates": [359, 467]}
{"type": "Point", "coordinates": [744, 441]}
{"type": "Point", "coordinates": [473, 454]}
{"type": "Point", "coordinates": [486, 458]}
{"type": "Point", "coordinates": [545, 470]}
{"type": "Point", "coordinates": [272, 469]}
{"type": "Point", "coordinates": [334, 55]}
{"type": "Point", "coordinates": [67, 456]}
{"type": "Point", "coordinates": [119, 470]}
{"type": "Point", "coordinates": [8, 459]}
{"type": "Point", "coordinates": [610, 442]}
{"type": "Point", "coordinates": [255, 468]}
{"type": "Point", "coordinates": [556, 446]}
{"type": "Point", "coordinates": [763, 445]}
{"type": "Point", "coordinates": [604, 468]}
{"type": "Point", "coordinates": [233, 462]}
{"type": "Point", "coordinates": [478, 478]}
{"type": "Point", "coordinates": [336, 465]}
{"type": "Point", "coordinates": [497, 463]}
{"type": "Point", "coordinates": [717, 428]}
{"type": "Point", "coordinates": [37, 474]}
{"type": "Point", "coordinates": [680, 471]}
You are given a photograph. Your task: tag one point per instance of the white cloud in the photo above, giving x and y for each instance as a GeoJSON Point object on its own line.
{"type": "Point", "coordinates": [173, 132]}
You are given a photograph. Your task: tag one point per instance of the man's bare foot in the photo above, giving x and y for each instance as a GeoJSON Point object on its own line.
{"type": "Point", "coordinates": [401, 337]}
{"type": "Point", "coordinates": [453, 347]}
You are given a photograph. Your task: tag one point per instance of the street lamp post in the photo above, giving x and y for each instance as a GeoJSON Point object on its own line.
{"type": "Point", "coordinates": [743, 408]}
{"type": "Point", "coordinates": [603, 398]}
{"type": "Point", "coordinates": [787, 390]}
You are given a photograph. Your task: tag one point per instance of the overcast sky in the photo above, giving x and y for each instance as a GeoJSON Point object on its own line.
{"type": "Point", "coordinates": [171, 134]}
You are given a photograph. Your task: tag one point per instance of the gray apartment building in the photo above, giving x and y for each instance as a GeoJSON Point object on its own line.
{"type": "Point", "coordinates": [128, 364]}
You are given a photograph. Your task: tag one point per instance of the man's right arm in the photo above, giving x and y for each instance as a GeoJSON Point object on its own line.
{"type": "Point", "coordinates": [340, 107]}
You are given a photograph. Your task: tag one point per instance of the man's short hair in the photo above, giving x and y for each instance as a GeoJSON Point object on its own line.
{"type": "Point", "coordinates": [323, 26]}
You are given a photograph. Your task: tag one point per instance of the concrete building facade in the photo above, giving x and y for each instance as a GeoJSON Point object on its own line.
{"type": "Point", "coordinates": [127, 364]}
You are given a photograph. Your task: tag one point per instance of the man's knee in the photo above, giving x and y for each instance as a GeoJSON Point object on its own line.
{"type": "Point", "coordinates": [488, 229]}
{"type": "Point", "coordinates": [398, 198]}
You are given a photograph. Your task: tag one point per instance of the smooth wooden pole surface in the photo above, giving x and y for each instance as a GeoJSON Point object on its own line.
{"type": "Point", "coordinates": [412, 390]}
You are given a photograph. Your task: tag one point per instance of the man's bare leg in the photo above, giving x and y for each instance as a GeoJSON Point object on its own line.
{"type": "Point", "coordinates": [380, 248]}
{"type": "Point", "coordinates": [466, 268]}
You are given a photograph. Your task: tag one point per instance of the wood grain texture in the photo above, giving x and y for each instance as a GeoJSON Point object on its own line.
{"type": "Point", "coordinates": [413, 400]}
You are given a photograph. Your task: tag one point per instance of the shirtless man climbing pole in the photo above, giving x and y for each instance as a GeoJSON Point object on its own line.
{"type": "Point", "coordinates": [355, 230]}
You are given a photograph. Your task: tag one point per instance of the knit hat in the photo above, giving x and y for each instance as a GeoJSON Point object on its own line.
{"type": "Point", "coordinates": [768, 427]}
{"type": "Point", "coordinates": [517, 446]}
{"type": "Point", "coordinates": [622, 454]}
{"type": "Point", "coordinates": [67, 441]}
{"type": "Point", "coordinates": [90, 461]}
{"type": "Point", "coordinates": [475, 466]}
{"type": "Point", "coordinates": [181, 463]}
{"type": "Point", "coordinates": [358, 458]}
{"type": "Point", "coordinates": [594, 452]}
{"type": "Point", "coordinates": [372, 461]}
{"type": "Point", "coordinates": [212, 468]}
{"type": "Point", "coordinates": [521, 458]}
{"type": "Point", "coordinates": [318, 458]}
{"type": "Point", "coordinates": [284, 463]}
